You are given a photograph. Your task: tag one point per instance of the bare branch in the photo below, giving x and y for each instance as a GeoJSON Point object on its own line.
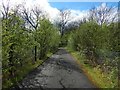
{"type": "Point", "coordinates": [102, 15]}
{"type": "Point", "coordinates": [64, 19]}
{"type": "Point", "coordinates": [32, 17]}
{"type": "Point", "coordinates": [5, 10]}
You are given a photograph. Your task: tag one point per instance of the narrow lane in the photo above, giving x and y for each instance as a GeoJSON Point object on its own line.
{"type": "Point", "coordinates": [60, 71]}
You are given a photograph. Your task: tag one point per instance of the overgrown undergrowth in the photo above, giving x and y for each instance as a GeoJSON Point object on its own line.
{"type": "Point", "coordinates": [22, 72]}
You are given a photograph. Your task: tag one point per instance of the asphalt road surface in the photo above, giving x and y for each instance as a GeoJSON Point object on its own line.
{"type": "Point", "coordinates": [59, 71]}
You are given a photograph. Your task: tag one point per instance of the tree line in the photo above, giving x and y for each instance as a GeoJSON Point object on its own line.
{"type": "Point", "coordinates": [26, 38]}
{"type": "Point", "coordinates": [97, 39]}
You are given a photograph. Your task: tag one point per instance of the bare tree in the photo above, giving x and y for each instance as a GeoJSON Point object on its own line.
{"type": "Point", "coordinates": [5, 14]}
{"type": "Point", "coordinates": [32, 18]}
{"type": "Point", "coordinates": [73, 25]}
{"type": "Point", "coordinates": [5, 10]}
{"type": "Point", "coordinates": [64, 19]}
{"type": "Point", "coordinates": [103, 14]}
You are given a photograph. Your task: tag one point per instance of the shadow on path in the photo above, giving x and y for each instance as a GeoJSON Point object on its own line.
{"type": "Point", "coordinates": [59, 71]}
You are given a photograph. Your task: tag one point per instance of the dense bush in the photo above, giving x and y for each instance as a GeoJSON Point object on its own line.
{"type": "Point", "coordinates": [18, 44]}
{"type": "Point", "coordinates": [47, 37]}
{"type": "Point", "coordinates": [97, 43]}
{"type": "Point", "coordinates": [63, 40]}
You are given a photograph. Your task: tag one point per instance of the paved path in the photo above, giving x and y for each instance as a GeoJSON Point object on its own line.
{"type": "Point", "coordinates": [60, 71]}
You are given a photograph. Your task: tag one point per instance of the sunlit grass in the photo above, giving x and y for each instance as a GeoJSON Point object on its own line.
{"type": "Point", "coordinates": [99, 79]}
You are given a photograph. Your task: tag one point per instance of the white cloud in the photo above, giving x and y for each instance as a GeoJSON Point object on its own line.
{"type": "Point", "coordinates": [103, 4]}
{"type": "Point", "coordinates": [45, 6]}
{"type": "Point", "coordinates": [29, 4]}
{"type": "Point", "coordinates": [53, 13]}
{"type": "Point", "coordinates": [78, 15]}
{"type": "Point", "coordinates": [12, 3]}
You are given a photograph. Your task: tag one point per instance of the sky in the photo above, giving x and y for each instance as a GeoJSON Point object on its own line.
{"type": "Point", "coordinates": [79, 5]}
{"type": "Point", "coordinates": [52, 7]}
{"type": "Point", "coordinates": [80, 9]}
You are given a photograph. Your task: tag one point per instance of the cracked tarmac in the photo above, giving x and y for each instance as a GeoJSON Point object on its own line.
{"type": "Point", "coordinates": [59, 71]}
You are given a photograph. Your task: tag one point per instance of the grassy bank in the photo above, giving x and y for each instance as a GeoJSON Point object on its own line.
{"type": "Point", "coordinates": [22, 72]}
{"type": "Point", "coordinates": [100, 79]}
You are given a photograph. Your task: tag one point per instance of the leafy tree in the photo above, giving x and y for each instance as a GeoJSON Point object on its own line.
{"type": "Point", "coordinates": [16, 45]}
{"type": "Point", "coordinates": [47, 37]}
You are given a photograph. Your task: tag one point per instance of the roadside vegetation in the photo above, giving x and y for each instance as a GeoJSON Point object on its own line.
{"type": "Point", "coordinates": [95, 43]}
{"type": "Point", "coordinates": [97, 49]}
{"type": "Point", "coordinates": [23, 49]}
{"type": "Point", "coordinates": [29, 38]}
{"type": "Point", "coordinates": [95, 74]}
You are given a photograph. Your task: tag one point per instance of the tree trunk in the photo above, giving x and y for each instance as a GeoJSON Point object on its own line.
{"type": "Point", "coordinates": [11, 60]}
{"type": "Point", "coordinates": [35, 53]}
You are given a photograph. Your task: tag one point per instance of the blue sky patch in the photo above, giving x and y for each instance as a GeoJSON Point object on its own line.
{"type": "Point", "coordinates": [79, 5]}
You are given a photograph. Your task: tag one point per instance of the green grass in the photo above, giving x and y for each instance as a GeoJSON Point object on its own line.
{"type": "Point", "coordinates": [99, 79]}
{"type": "Point", "coordinates": [49, 54]}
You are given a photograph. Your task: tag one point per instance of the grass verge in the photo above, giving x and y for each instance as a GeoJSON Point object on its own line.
{"type": "Point", "coordinates": [95, 75]}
